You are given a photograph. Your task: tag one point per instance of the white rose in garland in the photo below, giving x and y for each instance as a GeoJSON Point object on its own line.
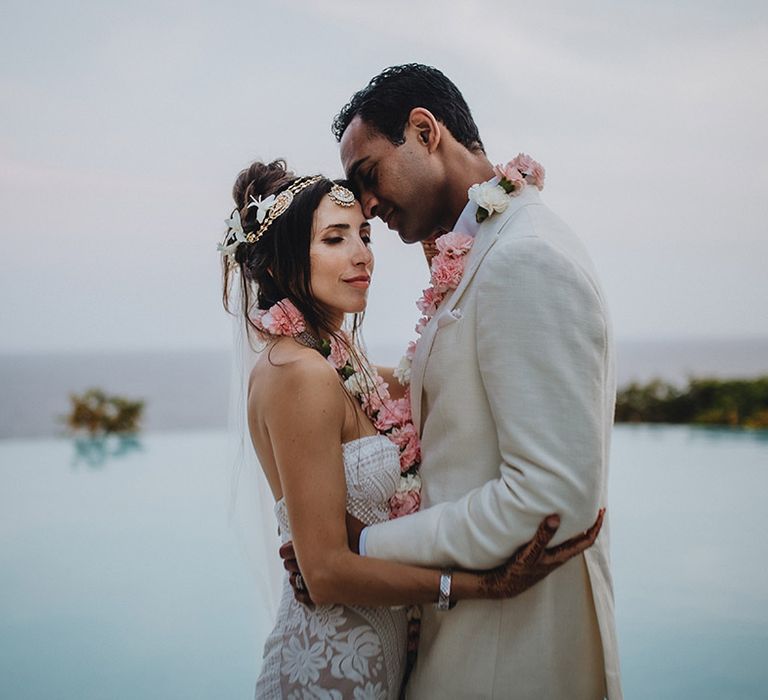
{"type": "Point", "coordinates": [513, 179]}
{"type": "Point", "coordinates": [489, 197]}
{"type": "Point", "coordinates": [403, 371]}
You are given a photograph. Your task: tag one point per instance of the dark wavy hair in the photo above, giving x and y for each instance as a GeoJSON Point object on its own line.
{"type": "Point", "coordinates": [278, 265]}
{"type": "Point", "coordinates": [386, 103]}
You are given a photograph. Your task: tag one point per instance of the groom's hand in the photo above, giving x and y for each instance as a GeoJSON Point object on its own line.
{"type": "Point", "coordinates": [533, 561]}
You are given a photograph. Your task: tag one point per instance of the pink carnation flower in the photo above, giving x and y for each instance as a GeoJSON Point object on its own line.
{"type": "Point", "coordinates": [454, 244]}
{"type": "Point", "coordinates": [339, 355]}
{"type": "Point", "coordinates": [283, 319]}
{"type": "Point", "coordinates": [402, 409]}
{"type": "Point", "coordinates": [411, 455]}
{"type": "Point", "coordinates": [374, 399]}
{"type": "Point", "coordinates": [523, 162]}
{"type": "Point", "coordinates": [410, 351]}
{"type": "Point", "coordinates": [529, 167]}
{"type": "Point", "coordinates": [257, 318]}
{"type": "Point", "coordinates": [537, 176]}
{"type": "Point", "coordinates": [511, 174]}
{"type": "Point", "coordinates": [407, 440]}
{"type": "Point", "coordinates": [422, 324]}
{"type": "Point", "coordinates": [404, 503]}
{"type": "Point", "coordinates": [446, 272]}
{"type": "Point", "coordinates": [428, 302]}
{"type": "Point", "coordinates": [393, 413]}
{"type": "Point", "coordinates": [402, 436]}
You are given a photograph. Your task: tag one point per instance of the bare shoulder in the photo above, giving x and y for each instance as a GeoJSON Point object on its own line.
{"type": "Point", "coordinates": [294, 378]}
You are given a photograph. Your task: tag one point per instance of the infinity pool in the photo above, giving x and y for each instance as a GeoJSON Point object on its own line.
{"type": "Point", "coordinates": [123, 574]}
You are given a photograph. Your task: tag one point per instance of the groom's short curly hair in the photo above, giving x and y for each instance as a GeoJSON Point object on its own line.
{"type": "Point", "coordinates": [386, 103]}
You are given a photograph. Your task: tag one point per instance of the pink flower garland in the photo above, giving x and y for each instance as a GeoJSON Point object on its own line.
{"type": "Point", "coordinates": [393, 417]}
{"type": "Point", "coordinates": [514, 177]}
{"type": "Point", "coordinates": [447, 269]}
{"type": "Point", "coordinates": [281, 319]}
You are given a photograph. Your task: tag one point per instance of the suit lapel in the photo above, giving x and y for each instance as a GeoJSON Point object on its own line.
{"type": "Point", "coordinates": [487, 235]}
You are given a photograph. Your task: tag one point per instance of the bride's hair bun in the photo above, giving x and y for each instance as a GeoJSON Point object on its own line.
{"type": "Point", "coordinates": [260, 180]}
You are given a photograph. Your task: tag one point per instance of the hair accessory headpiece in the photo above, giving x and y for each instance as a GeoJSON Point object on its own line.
{"type": "Point", "coordinates": [267, 210]}
{"type": "Point", "coordinates": [342, 196]}
{"type": "Point", "coordinates": [278, 206]}
{"type": "Point", "coordinates": [270, 208]}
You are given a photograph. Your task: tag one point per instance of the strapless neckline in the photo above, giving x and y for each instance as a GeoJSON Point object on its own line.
{"type": "Point", "coordinates": [355, 441]}
{"type": "Point", "coordinates": [345, 448]}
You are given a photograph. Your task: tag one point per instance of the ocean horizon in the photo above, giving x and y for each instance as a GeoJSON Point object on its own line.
{"type": "Point", "coordinates": [190, 389]}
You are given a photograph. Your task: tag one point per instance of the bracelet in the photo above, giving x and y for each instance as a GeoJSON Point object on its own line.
{"type": "Point", "coordinates": [444, 599]}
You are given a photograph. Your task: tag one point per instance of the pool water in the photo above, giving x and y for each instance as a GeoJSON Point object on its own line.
{"type": "Point", "coordinates": [124, 575]}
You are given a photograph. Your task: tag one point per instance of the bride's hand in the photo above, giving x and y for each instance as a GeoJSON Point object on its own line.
{"type": "Point", "coordinates": [533, 561]}
{"type": "Point", "coordinates": [291, 565]}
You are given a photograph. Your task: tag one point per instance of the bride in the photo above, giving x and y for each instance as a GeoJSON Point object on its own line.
{"type": "Point", "coordinates": [301, 246]}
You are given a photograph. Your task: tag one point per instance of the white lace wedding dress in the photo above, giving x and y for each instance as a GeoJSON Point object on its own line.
{"type": "Point", "coordinates": [337, 651]}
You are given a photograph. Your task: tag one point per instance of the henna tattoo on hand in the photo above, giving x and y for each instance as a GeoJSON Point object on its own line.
{"type": "Point", "coordinates": [533, 561]}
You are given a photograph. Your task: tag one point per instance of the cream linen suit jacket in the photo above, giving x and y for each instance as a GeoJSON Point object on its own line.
{"type": "Point", "coordinates": [513, 389]}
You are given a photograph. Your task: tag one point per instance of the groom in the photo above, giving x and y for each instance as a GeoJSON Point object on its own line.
{"type": "Point", "coordinates": [512, 390]}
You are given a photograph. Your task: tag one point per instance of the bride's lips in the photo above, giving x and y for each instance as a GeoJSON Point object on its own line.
{"type": "Point", "coordinates": [361, 282]}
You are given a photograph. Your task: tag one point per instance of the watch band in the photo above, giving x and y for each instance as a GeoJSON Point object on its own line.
{"type": "Point", "coordinates": [444, 599]}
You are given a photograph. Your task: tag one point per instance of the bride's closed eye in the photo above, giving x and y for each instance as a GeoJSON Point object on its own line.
{"type": "Point", "coordinates": [335, 240]}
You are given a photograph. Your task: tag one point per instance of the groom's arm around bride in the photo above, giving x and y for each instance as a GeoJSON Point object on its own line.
{"type": "Point", "coordinates": [517, 404]}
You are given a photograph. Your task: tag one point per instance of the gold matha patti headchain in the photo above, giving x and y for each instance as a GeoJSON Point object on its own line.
{"type": "Point", "coordinates": [342, 196]}
{"type": "Point", "coordinates": [274, 206]}
{"type": "Point", "coordinates": [268, 209]}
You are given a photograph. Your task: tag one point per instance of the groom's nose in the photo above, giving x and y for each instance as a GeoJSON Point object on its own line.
{"type": "Point", "coordinates": [369, 203]}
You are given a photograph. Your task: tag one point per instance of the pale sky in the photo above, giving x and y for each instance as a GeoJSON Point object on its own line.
{"type": "Point", "coordinates": [123, 126]}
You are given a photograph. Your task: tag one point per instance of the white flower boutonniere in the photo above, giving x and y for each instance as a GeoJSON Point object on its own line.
{"type": "Point", "coordinates": [488, 197]}
{"type": "Point", "coordinates": [513, 178]}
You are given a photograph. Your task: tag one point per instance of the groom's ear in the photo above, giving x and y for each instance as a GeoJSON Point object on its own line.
{"type": "Point", "coordinates": [423, 125]}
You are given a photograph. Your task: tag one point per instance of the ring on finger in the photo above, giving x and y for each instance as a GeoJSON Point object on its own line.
{"type": "Point", "coordinates": [299, 582]}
